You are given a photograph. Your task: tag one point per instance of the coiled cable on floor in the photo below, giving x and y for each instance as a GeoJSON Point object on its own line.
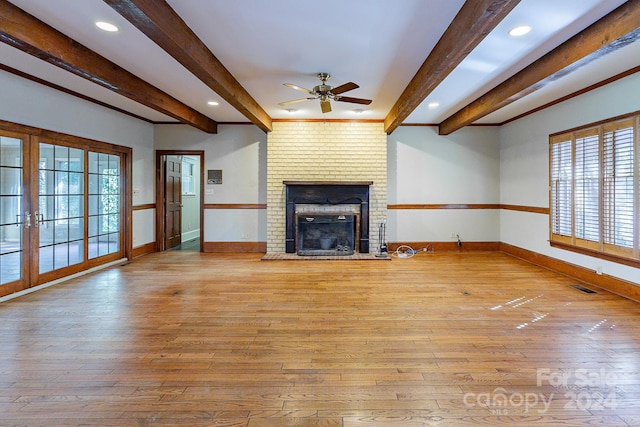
{"type": "Point", "coordinates": [406, 251]}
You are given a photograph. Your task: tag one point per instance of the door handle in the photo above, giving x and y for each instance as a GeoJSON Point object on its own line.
{"type": "Point", "coordinates": [27, 220]}
{"type": "Point", "coordinates": [39, 219]}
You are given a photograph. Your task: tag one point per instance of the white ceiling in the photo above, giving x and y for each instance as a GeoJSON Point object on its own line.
{"type": "Point", "coordinates": [378, 44]}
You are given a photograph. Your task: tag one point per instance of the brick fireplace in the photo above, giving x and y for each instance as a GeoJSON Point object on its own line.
{"type": "Point", "coordinates": [339, 154]}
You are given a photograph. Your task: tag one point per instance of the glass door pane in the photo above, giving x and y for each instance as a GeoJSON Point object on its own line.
{"type": "Point", "coordinates": [104, 204]}
{"type": "Point", "coordinates": [60, 215]}
{"type": "Point", "coordinates": [12, 210]}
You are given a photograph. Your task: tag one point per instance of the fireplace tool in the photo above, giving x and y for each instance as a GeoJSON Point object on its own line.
{"type": "Point", "coordinates": [382, 245]}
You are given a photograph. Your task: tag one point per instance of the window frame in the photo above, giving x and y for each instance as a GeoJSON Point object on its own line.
{"type": "Point", "coordinates": [188, 176]}
{"type": "Point", "coordinates": [600, 248]}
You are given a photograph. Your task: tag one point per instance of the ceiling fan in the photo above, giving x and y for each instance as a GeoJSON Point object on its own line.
{"type": "Point", "coordinates": [326, 93]}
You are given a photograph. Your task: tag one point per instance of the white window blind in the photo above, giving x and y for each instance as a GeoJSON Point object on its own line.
{"type": "Point", "coordinates": [561, 188]}
{"type": "Point", "coordinates": [618, 185]}
{"type": "Point", "coordinates": [587, 192]}
{"type": "Point", "coordinates": [595, 188]}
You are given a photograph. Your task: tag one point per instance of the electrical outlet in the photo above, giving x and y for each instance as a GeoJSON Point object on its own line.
{"type": "Point", "coordinates": [599, 270]}
{"type": "Point", "coordinates": [454, 234]}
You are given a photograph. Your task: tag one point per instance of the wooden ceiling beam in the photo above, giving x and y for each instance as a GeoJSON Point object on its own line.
{"type": "Point", "coordinates": [614, 31]}
{"type": "Point", "coordinates": [30, 35]}
{"type": "Point", "coordinates": [158, 21]}
{"type": "Point", "coordinates": [475, 20]}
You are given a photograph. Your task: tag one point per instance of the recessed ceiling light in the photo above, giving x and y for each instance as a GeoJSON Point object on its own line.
{"type": "Point", "coordinates": [106, 26]}
{"type": "Point", "coordinates": [433, 104]}
{"type": "Point", "coordinates": [213, 103]}
{"type": "Point", "coordinates": [291, 110]}
{"type": "Point", "coordinates": [519, 31]}
{"type": "Point", "coordinates": [358, 111]}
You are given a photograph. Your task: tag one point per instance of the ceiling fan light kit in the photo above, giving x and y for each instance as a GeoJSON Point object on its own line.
{"type": "Point", "coordinates": [326, 93]}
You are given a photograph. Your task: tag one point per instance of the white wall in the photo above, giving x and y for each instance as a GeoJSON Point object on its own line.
{"type": "Point", "coordinates": [426, 168]}
{"type": "Point", "coordinates": [240, 151]}
{"type": "Point", "coordinates": [29, 103]}
{"type": "Point", "coordinates": [524, 168]}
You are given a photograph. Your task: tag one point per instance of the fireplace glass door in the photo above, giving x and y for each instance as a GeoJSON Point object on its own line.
{"type": "Point", "coordinates": [326, 234]}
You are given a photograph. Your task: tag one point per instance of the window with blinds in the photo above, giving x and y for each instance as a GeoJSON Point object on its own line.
{"type": "Point", "coordinates": [594, 188]}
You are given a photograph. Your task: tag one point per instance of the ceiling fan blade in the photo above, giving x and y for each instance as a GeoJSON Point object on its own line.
{"type": "Point", "coordinates": [296, 87]}
{"type": "Point", "coordinates": [294, 101]}
{"type": "Point", "coordinates": [353, 100]}
{"type": "Point", "coordinates": [325, 106]}
{"type": "Point", "coordinates": [344, 88]}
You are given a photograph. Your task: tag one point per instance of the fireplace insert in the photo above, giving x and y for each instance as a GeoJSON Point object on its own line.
{"type": "Point", "coordinates": [331, 193]}
{"type": "Point", "coordinates": [326, 234]}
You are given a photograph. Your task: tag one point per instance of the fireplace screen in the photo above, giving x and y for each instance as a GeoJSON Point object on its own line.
{"type": "Point", "coordinates": [326, 234]}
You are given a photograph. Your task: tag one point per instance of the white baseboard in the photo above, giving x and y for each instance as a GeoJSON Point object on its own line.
{"type": "Point", "coordinates": [190, 235]}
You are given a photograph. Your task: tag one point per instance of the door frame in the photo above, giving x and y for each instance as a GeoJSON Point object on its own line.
{"type": "Point", "coordinates": [126, 208]}
{"type": "Point", "coordinates": [160, 194]}
{"type": "Point", "coordinates": [32, 138]}
{"type": "Point", "coordinates": [25, 233]}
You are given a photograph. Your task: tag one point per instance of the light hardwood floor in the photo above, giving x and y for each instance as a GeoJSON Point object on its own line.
{"type": "Point", "coordinates": [190, 339]}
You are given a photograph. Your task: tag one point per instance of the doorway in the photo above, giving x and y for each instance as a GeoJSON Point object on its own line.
{"type": "Point", "coordinates": [179, 200]}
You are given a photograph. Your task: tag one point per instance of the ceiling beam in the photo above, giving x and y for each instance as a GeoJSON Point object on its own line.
{"type": "Point", "coordinates": [158, 21]}
{"type": "Point", "coordinates": [616, 30]}
{"type": "Point", "coordinates": [30, 35]}
{"type": "Point", "coordinates": [475, 20]}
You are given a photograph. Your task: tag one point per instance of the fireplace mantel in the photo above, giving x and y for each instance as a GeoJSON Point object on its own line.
{"type": "Point", "coordinates": [327, 193]}
{"type": "Point", "coordinates": [327, 182]}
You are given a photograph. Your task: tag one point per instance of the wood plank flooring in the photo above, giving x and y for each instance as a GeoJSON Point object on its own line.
{"type": "Point", "coordinates": [189, 339]}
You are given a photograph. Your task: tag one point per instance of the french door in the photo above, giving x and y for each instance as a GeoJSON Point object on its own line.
{"type": "Point", "coordinates": [15, 213]}
{"type": "Point", "coordinates": [61, 209]}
